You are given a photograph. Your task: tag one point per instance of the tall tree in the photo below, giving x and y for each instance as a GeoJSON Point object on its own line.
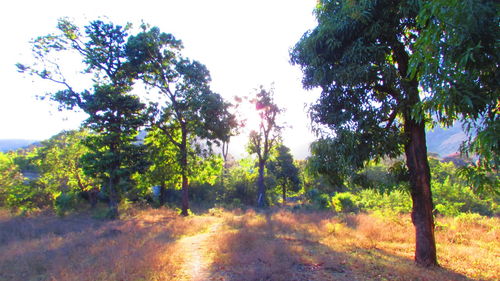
{"type": "Point", "coordinates": [188, 106]}
{"type": "Point", "coordinates": [263, 141]}
{"type": "Point", "coordinates": [284, 170]}
{"type": "Point", "coordinates": [359, 55]}
{"type": "Point", "coordinates": [114, 113]}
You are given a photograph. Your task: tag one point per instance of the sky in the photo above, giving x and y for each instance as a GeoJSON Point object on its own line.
{"type": "Point", "coordinates": [244, 44]}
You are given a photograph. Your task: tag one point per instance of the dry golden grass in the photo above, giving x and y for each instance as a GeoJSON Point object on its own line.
{"type": "Point", "coordinates": [142, 247]}
{"type": "Point", "coordinates": [282, 245]}
{"type": "Point", "coordinates": [158, 244]}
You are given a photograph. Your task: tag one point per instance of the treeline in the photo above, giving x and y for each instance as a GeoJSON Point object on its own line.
{"type": "Point", "coordinates": [51, 175]}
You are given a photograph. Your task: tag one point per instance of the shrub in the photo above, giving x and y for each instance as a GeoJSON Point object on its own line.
{"type": "Point", "coordinates": [65, 202]}
{"type": "Point", "coordinates": [345, 202]}
{"type": "Point", "coordinates": [397, 201]}
{"type": "Point", "coordinates": [453, 198]}
{"type": "Point", "coordinates": [319, 201]}
{"type": "Point", "coordinates": [450, 209]}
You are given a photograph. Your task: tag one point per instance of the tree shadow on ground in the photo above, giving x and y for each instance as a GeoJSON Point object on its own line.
{"type": "Point", "coordinates": [28, 228]}
{"type": "Point", "coordinates": [262, 247]}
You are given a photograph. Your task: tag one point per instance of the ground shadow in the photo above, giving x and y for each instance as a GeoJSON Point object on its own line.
{"type": "Point", "coordinates": [273, 250]}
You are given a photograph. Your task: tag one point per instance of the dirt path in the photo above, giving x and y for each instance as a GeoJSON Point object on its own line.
{"type": "Point", "coordinates": [197, 258]}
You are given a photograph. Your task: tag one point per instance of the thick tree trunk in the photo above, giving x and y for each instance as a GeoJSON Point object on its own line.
{"type": "Point", "coordinates": [422, 217]}
{"type": "Point", "coordinates": [184, 163]}
{"type": "Point", "coordinates": [261, 188]}
{"type": "Point", "coordinates": [284, 194]}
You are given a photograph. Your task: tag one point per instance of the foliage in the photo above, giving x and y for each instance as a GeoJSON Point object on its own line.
{"type": "Point", "coordinates": [452, 199]}
{"type": "Point", "coordinates": [240, 186]}
{"type": "Point", "coordinates": [383, 176]}
{"type": "Point", "coordinates": [65, 202]}
{"type": "Point", "coordinates": [456, 58]}
{"type": "Point", "coordinates": [60, 166]}
{"type": "Point", "coordinates": [284, 171]}
{"type": "Point", "coordinates": [327, 160]}
{"type": "Point", "coordinates": [372, 200]}
{"type": "Point", "coordinates": [15, 191]}
{"type": "Point", "coordinates": [344, 202]}
{"type": "Point", "coordinates": [319, 200]}
{"type": "Point", "coordinates": [10, 175]}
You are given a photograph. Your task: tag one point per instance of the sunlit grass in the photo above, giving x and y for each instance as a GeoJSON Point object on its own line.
{"type": "Point", "coordinates": [158, 244]}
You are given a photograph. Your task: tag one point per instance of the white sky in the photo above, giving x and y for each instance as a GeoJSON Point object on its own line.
{"type": "Point", "coordinates": [243, 43]}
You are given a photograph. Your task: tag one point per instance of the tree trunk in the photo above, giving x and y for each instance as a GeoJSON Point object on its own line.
{"type": "Point", "coordinates": [225, 150]}
{"type": "Point", "coordinates": [163, 193]}
{"type": "Point", "coordinates": [422, 217]}
{"type": "Point", "coordinates": [113, 197]}
{"type": "Point", "coordinates": [184, 163]}
{"type": "Point", "coordinates": [93, 197]}
{"type": "Point", "coordinates": [284, 194]}
{"type": "Point", "coordinates": [261, 188]}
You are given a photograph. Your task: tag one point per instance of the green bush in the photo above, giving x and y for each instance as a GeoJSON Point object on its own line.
{"type": "Point", "coordinates": [319, 201]}
{"type": "Point", "coordinates": [451, 199]}
{"type": "Point", "coordinates": [450, 209]}
{"type": "Point", "coordinates": [65, 202]}
{"type": "Point", "coordinates": [345, 202]}
{"type": "Point", "coordinates": [25, 198]}
{"type": "Point", "coordinates": [396, 200]}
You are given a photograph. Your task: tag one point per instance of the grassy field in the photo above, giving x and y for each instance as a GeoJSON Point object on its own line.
{"type": "Point", "coordinates": [278, 244]}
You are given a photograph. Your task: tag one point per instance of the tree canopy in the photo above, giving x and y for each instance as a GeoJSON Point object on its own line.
{"type": "Point", "coordinates": [456, 60]}
{"type": "Point", "coordinates": [284, 170]}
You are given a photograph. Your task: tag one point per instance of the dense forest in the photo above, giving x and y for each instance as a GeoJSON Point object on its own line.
{"type": "Point", "coordinates": [387, 71]}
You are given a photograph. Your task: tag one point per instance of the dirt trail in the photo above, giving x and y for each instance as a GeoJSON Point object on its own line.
{"type": "Point", "coordinates": [197, 258]}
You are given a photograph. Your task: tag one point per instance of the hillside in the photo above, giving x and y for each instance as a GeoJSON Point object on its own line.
{"type": "Point", "coordinates": [445, 141]}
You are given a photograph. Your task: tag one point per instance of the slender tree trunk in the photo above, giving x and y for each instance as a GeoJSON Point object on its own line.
{"type": "Point", "coordinates": [163, 191]}
{"type": "Point", "coordinates": [93, 197]}
{"type": "Point", "coordinates": [184, 167]}
{"type": "Point", "coordinates": [422, 217]}
{"type": "Point", "coordinates": [284, 194]}
{"type": "Point", "coordinates": [261, 188]}
{"type": "Point", "coordinates": [113, 197]}
{"type": "Point", "coordinates": [225, 150]}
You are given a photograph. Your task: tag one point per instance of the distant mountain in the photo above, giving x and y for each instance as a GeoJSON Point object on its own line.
{"type": "Point", "coordinates": [442, 141]}
{"type": "Point", "coordinates": [13, 144]}
{"type": "Point", "coordinates": [445, 141]}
